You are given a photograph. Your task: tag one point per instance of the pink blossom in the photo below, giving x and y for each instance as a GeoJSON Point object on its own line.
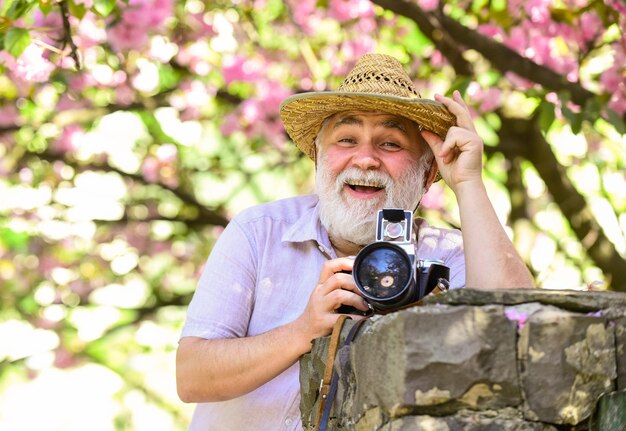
{"type": "Point", "coordinates": [150, 169]}
{"type": "Point", "coordinates": [489, 99]}
{"type": "Point", "coordinates": [251, 111]}
{"type": "Point", "coordinates": [518, 81]}
{"type": "Point", "coordinates": [538, 11]}
{"type": "Point", "coordinates": [9, 116]}
{"type": "Point", "coordinates": [366, 25]}
{"type": "Point", "coordinates": [516, 40]}
{"type": "Point", "coordinates": [239, 68]}
{"type": "Point", "coordinates": [124, 95]}
{"type": "Point", "coordinates": [612, 78]}
{"type": "Point", "coordinates": [196, 55]}
{"type": "Point", "coordinates": [70, 139]}
{"type": "Point", "coordinates": [428, 5]}
{"type": "Point", "coordinates": [230, 124]}
{"type": "Point", "coordinates": [138, 19]}
{"type": "Point", "coordinates": [271, 94]}
{"type": "Point", "coordinates": [437, 59]}
{"type": "Point", "coordinates": [89, 32]}
{"type": "Point", "coordinates": [491, 30]}
{"type": "Point", "coordinates": [31, 65]}
{"type": "Point", "coordinates": [353, 49]}
{"type": "Point", "coordinates": [200, 27]}
{"type": "Point", "coordinates": [127, 35]}
{"type": "Point", "coordinates": [618, 100]}
{"type": "Point", "coordinates": [517, 316]}
{"type": "Point", "coordinates": [270, 130]}
{"type": "Point", "coordinates": [590, 26]}
{"type": "Point", "coordinates": [434, 198]}
{"type": "Point", "coordinates": [345, 10]}
{"type": "Point", "coordinates": [305, 15]}
{"type": "Point", "coordinates": [67, 102]}
{"type": "Point", "coordinates": [51, 26]}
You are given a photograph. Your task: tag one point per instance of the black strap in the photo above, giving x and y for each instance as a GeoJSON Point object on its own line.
{"type": "Point", "coordinates": [328, 369]}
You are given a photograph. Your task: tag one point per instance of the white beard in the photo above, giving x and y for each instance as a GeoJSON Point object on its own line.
{"type": "Point", "coordinates": [354, 220]}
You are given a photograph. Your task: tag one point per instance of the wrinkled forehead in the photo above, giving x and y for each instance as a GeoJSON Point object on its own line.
{"type": "Point", "coordinates": [376, 118]}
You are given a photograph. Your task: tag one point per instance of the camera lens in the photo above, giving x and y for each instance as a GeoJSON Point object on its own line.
{"type": "Point", "coordinates": [382, 271]}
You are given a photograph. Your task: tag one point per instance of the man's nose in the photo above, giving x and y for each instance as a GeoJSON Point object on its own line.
{"type": "Point", "coordinates": [366, 157]}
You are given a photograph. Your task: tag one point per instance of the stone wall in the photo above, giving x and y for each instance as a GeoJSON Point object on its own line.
{"type": "Point", "coordinates": [481, 360]}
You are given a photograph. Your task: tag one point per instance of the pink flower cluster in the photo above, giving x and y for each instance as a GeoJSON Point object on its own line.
{"type": "Point", "coordinates": [307, 15]}
{"type": "Point", "coordinates": [161, 167]}
{"type": "Point", "coordinates": [488, 99]}
{"type": "Point", "coordinates": [614, 79]}
{"type": "Point", "coordinates": [138, 19]}
{"type": "Point", "coordinates": [558, 45]}
{"type": "Point", "coordinates": [258, 115]}
{"type": "Point", "coordinates": [345, 10]}
{"type": "Point", "coordinates": [30, 66]}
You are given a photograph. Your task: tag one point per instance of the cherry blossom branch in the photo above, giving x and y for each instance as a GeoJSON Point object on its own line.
{"type": "Point", "coordinates": [67, 34]}
{"type": "Point", "coordinates": [210, 217]}
{"type": "Point", "coordinates": [431, 27]}
{"type": "Point", "coordinates": [448, 35]}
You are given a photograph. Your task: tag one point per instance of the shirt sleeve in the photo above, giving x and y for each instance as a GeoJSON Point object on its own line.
{"type": "Point", "coordinates": [445, 245]}
{"type": "Point", "coordinates": [222, 303]}
{"type": "Point", "coordinates": [456, 262]}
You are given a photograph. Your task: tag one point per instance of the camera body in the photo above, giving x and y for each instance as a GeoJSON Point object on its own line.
{"type": "Point", "coordinates": [387, 272]}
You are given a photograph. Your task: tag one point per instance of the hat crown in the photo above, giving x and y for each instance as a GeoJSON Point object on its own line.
{"type": "Point", "coordinates": [379, 74]}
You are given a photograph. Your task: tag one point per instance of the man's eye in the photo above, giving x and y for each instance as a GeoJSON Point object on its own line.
{"type": "Point", "coordinates": [389, 144]}
{"type": "Point", "coordinates": [347, 140]}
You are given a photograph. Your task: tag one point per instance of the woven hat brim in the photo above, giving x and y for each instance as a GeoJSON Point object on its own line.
{"type": "Point", "coordinates": [303, 114]}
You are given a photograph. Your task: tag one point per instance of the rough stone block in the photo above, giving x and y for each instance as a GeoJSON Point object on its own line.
{"type": "Point", "coordinates": [620, 351]}
{"type": "Point", "coordinates": [567, 360]}
{"type": "Point", "coordinates": [430, 423]}
{"type": "Point", "coordinates": [433, 360]}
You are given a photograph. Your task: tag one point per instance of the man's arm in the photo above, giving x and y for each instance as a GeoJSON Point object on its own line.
{"type": "Point", "coordinates": [491, 260]}
{"type": "Point", "coordinates": [222, 369]}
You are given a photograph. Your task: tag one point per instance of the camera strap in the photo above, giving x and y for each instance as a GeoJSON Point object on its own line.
{"type": "Point", "coordinates": [328, 385]}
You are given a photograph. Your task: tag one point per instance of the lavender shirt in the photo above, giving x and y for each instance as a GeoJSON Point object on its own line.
{"type": "Point", "coordinates": [259, 276]}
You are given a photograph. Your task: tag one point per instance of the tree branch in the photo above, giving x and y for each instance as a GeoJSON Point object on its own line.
{"type": "Point", "coordinates": [431, 27]}
{"type": "Point", "coordinates": [505, 60]}
{"type": "Point", "coordinates": [67, 34]}
{"type": "Point", "coordinates": [211, 217]}
{"type": "Point", "coordinates": [571, 203]}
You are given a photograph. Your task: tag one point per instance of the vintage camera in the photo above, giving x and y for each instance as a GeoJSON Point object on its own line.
{"type": "Point", "coordinates": [387, 272]}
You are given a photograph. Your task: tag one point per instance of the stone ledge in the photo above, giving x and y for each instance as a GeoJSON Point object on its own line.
{"type": "Point", "coordinates": [543, 356]}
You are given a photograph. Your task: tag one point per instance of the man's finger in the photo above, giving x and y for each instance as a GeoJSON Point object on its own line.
{"type": "Point", "coordinates": [432, 139]}
{"type": "Point", "coordinates": [334, 266]}
{"type": "Point", "coordinates": [458, 108]}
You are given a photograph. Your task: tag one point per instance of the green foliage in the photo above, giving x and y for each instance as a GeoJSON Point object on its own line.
{"type": "Point", "coordinates": [16, 40]}
{"type": "Point", "coordinates": [117, 179]}
{"type": "Point", "coordinates": [104, 7]}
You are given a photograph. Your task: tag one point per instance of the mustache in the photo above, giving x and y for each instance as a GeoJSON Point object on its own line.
{"type": "Point", "coordinates": [357, 176]}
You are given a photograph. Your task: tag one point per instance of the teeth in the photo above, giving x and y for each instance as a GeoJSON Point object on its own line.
{"type": "Point", "coordinates": [365, 184]}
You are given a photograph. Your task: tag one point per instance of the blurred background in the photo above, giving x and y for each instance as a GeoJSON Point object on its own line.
{"type": "Point", "coordinates": [132, 131]}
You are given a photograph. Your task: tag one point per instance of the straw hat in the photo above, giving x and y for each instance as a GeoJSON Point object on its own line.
{"type": "Point", "coordinates": [377, 83]}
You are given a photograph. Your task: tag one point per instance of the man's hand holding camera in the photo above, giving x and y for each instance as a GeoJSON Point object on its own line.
{"type": "Point", "coordinates": [335, 288]}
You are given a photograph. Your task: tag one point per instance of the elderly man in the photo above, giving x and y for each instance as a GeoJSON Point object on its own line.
{"type": "Point", "coordinates": [275, 278]}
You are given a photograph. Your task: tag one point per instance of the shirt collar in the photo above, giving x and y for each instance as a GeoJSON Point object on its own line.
{"type": "Point", "coordinates": [309, 228]}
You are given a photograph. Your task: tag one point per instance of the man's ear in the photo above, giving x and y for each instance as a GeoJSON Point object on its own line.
{"type": "Point", "coordinates": [432, 175]}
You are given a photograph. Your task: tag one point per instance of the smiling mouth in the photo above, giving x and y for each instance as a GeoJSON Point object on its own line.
{"type": "Point", "coordinates": [364, 187]}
